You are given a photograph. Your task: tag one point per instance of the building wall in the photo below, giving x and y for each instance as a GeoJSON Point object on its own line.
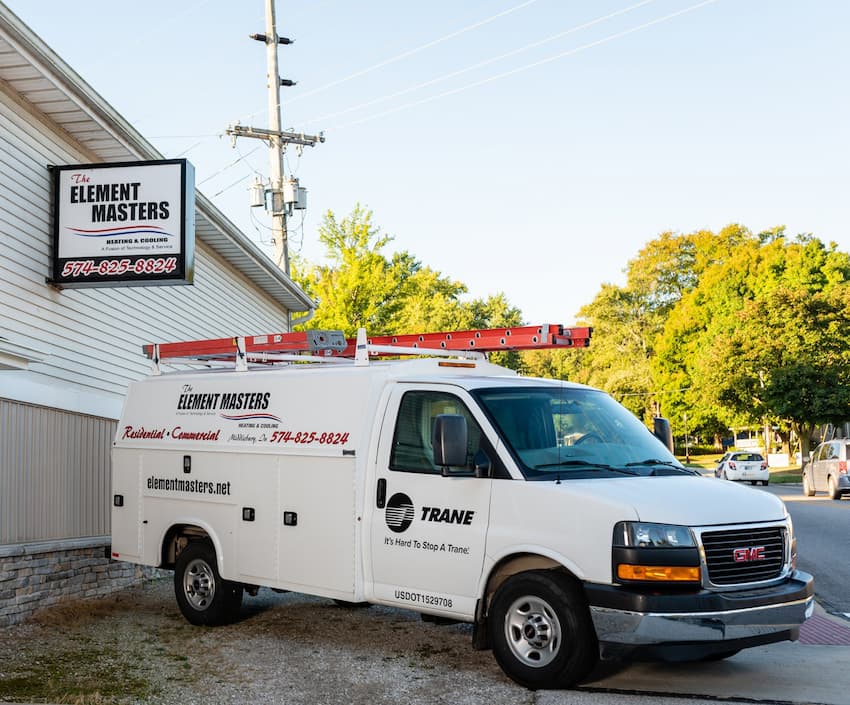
{"type": "Point", "coordinates": [57, 417]}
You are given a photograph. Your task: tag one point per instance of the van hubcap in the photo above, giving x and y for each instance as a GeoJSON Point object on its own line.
{"type": "Point", "coordinates": [533, 631]}
{"type": "Point", "coordinates": [199, 584]}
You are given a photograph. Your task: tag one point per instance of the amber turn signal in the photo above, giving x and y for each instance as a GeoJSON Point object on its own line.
{"type": "Point", "coordinates": [661, 573]}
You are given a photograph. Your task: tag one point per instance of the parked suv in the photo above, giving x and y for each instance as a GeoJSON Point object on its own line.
{"type": "Point", "coordinates": [743, 465]}
{"type": "Point", "coordinates": [827, 470]}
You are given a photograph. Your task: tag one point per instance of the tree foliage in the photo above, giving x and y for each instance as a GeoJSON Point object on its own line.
{"type": "Point", "coordinates": [714, 330]}
{"type": "Point", "coordinates": [788, 359]}
{"type": "Point", "coordinates": [360, 286]}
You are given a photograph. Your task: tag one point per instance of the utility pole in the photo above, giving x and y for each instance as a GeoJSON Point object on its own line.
{"type": "Point", "coordinates": [279, 201]}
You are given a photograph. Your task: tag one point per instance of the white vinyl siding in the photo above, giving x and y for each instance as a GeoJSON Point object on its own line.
{"type": "Point", "coordinates": [92, 338]}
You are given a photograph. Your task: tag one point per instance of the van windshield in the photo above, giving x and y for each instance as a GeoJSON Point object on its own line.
{"type": "Point", "coordinates": [570, 433]}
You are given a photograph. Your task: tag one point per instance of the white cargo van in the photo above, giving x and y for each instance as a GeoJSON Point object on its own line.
{"type": "Point", "coordinates": [540, 511]}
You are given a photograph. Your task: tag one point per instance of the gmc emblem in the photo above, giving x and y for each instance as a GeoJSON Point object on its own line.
{"type": "Point", "coordinates": [751, 553]}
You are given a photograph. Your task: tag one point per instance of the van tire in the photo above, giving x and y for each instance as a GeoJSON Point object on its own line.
{"type": "Point", "coordinates": [203, 596]}
{"type": "Point", "coordinates": [541, 630]}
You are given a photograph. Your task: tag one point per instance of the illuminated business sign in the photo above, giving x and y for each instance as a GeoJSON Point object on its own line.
{"type": "Point", "coordinates": [127, 224]}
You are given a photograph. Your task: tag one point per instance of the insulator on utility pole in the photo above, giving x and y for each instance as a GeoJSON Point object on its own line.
{"type": "Point", "coordinates": [263, 38]}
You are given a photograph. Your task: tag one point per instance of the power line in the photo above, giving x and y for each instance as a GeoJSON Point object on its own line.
{"type": "Point", "coordinates": [242, 157]}
{"type": "Point", "coordinates": [227, 188]}
{"type": "Point", "coordinates": [520, 69]}
{"type": "Point", "coordinates": [405, 54]}
{"type": "Point", "coordinates": [486, 62]}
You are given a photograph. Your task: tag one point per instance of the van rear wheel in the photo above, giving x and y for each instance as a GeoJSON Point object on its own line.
{"type": "Point", "coordinates": [203, 596]}
{"type": "Point", "coordinates": [541, 631]}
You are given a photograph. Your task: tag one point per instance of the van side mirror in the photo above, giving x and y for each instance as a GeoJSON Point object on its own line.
{"type": "Point", "coordinates": [449, 439]}
{"type": "Point", "coordinates": [662, 431]}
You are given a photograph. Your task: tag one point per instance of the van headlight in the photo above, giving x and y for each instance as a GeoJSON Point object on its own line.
{"type": "Point", "coordinates": [646, 552]}
{"type": "Point", "coordinates": [639, 534]}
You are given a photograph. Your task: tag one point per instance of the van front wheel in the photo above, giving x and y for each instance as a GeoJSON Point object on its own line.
{"type": "Point", "coordinates": [203, 596]}
{"type": "Point", "coordinates": [541, 631]}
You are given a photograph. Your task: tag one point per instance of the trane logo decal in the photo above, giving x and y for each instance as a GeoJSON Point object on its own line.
{"type": "Point", "coordinates": [399, 512]}
{"type": "Point", "coordinates": [748, 554]}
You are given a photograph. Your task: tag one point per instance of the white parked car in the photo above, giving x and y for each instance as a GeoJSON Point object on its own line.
{"type": "Point", "coordinates": [743, 465]}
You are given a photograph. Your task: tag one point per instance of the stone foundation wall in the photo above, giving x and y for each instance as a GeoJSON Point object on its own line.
{"type": "Point", "coordinates": [37, 575]}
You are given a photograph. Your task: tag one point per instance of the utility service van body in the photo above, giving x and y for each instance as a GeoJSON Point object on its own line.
{"type": "Point", "coordinates": [540, 511]}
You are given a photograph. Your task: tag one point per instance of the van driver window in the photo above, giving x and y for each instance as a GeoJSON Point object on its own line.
{"type": "Point", "coordinates": [412, 449]}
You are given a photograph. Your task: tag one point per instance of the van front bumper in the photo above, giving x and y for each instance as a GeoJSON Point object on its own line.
{"type": "Point", "coordinates": [687, 626]}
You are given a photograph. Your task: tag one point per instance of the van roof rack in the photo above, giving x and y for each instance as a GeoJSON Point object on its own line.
{"type": "Point", "coordinates": [333, 346]}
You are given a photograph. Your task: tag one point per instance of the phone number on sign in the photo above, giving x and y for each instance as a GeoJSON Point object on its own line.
{"type": "Point", "coordinates": [306, 437]}
{"type": "Point", "coordinates": [114, 267]}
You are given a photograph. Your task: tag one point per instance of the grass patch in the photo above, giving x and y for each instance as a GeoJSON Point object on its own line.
{"type": "Point", "coordinates": [700, 462]}
{"type": "Point", "coordinates": [85, 676]}
{"type": "Point", "coordinates": [784, 476]}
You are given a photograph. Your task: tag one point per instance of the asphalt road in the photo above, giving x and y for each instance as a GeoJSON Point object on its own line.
{"type": "Point", "coordinates": [822, 527]}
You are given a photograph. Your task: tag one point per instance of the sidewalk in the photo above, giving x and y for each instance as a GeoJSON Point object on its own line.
{"type": "Point", "coordinates": [813, 670]}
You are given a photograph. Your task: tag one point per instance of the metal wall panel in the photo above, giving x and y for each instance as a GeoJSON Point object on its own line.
{"type": "Point", "coordinates": [54, 473]}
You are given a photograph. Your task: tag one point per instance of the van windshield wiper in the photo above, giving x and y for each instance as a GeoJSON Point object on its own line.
{"type": "Point", "coordinates": [656, 461]}
{"type": "Point", "coordinates": [584, 464]}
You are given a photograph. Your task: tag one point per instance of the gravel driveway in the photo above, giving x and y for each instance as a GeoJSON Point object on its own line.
{"type": "Point", "coordinates": [288, 648]}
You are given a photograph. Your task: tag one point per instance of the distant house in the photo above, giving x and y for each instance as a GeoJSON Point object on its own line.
{"type": "Point", "coordinates": [67, 355]}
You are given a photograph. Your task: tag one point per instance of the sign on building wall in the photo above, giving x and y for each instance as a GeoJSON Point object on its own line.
{"type": "Point", "coordinates": [125, 224]}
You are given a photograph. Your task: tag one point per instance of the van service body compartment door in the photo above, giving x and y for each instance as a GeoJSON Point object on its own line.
{"type": "Point", "coordinates": [428, 532]}
{"type": "Point", "coordinates": [126, 511]}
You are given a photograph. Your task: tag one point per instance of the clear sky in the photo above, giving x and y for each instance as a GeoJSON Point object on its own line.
{"type": "Point", "coordinates": [525, 146]}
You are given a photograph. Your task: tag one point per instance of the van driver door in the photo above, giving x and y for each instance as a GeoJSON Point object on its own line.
{"type": "Point", "coordinates": [428, 531]}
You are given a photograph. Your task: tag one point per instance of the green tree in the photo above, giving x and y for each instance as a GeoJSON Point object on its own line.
{"type": "Point", "coordinates": [362, 287]}
{"type": "Point", "coordinates": [738, 269]}
{"type": "Point", "coordinates": [618, 358]}
{"type": "Point", "coordinates": [788, 359]}
{"type": "Point", "coordinates": [356, 288]}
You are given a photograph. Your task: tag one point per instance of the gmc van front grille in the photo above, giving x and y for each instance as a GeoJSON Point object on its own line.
{"type": "Point", "coordinates": [744, 555]}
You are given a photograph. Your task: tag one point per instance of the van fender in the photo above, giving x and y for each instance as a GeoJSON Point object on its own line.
{"type": "Point", "coordinates": [192, 528]}
{"type": "Point", "coordinates": [518, 559]}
